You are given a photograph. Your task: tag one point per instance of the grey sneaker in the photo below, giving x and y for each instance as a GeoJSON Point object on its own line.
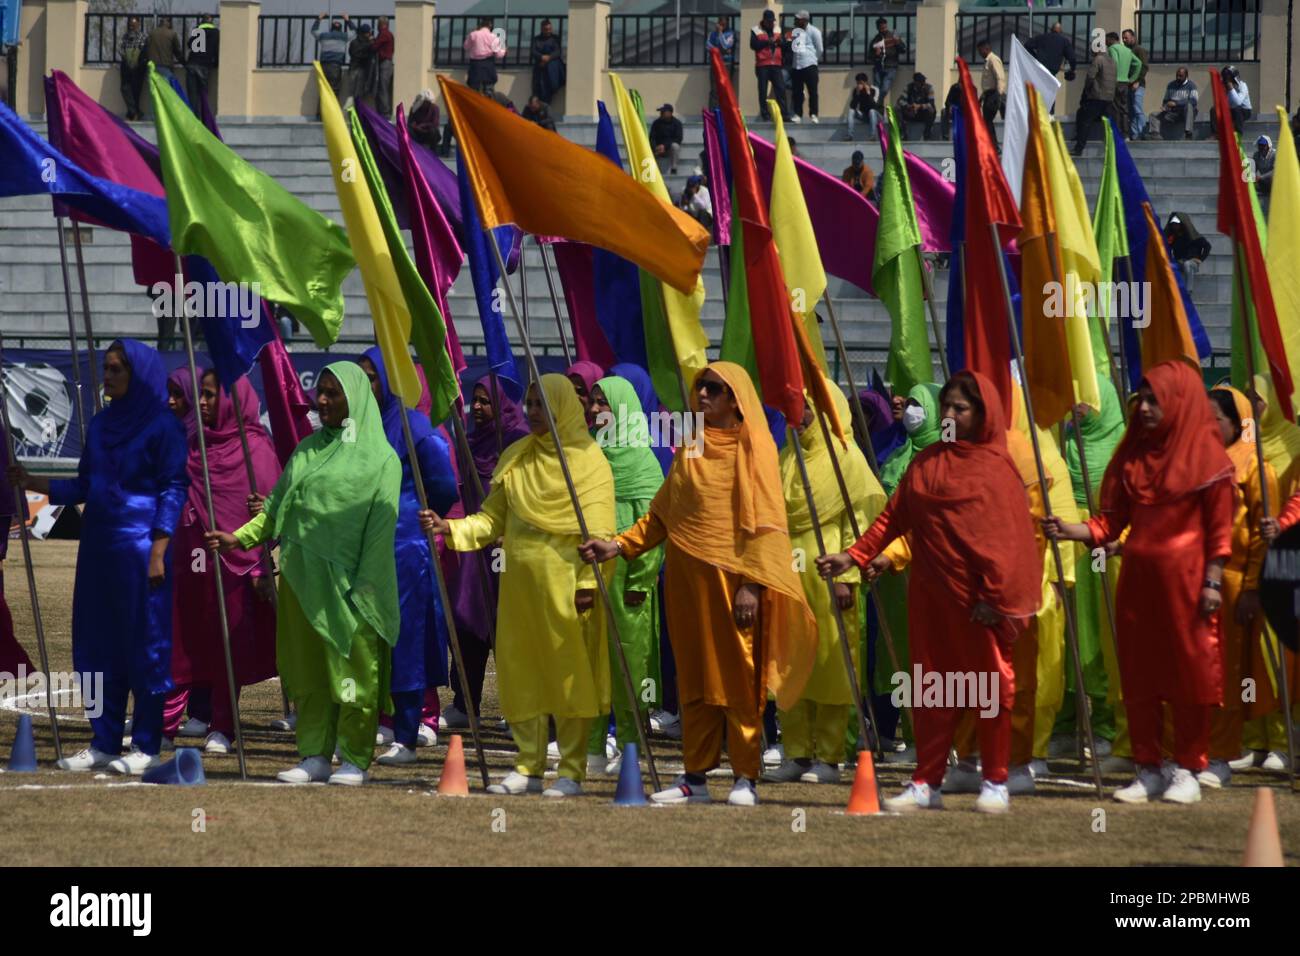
{"type": "Point", "coordinates": [821, 772]}
{"type": "Point", "coordinates": [563, 787]}
{"type": "Point", "coordinates": [1020, 781]}
{"type": "Point", "coordinates": [682, 792]}
{"type": "Point", "coordinates": [516, 783]}
{"type": "Point", "coordinates": [788, 772]}
{"type": "Point", "coordinates": [1216, 775]}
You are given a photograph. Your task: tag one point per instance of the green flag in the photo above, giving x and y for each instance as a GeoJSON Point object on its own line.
{"type": "Point", "coordinates": [1241, 279]}
{"type": "Point", "coordinates": [1111, 233]}
{"type": "Point", "coordinates": [896, 271]}
{"type": "Point", "coordinates": [245, 223]}
{"type": "Point", "coordinates": [428, 331]}
{"type": "Point", "coordinates": [737, 334]}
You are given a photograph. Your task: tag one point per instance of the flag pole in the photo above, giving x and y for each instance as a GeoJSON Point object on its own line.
{"type": "Point", "coordinates": [855, 402]}
{"type": "Point", "coordinates": [1070, 623]}
{"type": "Point", "coordinates": [72, 331]}
{"type": "Point", "coordinates": [555, 300]}
{"type": "Point", "coordinates": [724, 273]}
{"type": "Point", "coordinates": [413, 460]}
{"type": "Point", "coordinates": [20, 501]}
{"type": "Point", "coordinates": [212, 516]}
{"type": "Point", "coordinates": [601, 586]}
{"type": "Point", "coordinates": [85, 312]}
{"type": "Point", "coordinates": [930, 307]}
{"type": "Point", "coordinates": [850, 669]}
{"type": "Point", "coordinates": [1127, 262]}
{"type": "Point", "coordinates": [1276, 655]}
{"type": "Point", "coordinates": [497, 394]}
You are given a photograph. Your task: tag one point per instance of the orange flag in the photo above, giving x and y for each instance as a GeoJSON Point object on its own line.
{"type": "Point", "coordinates": [1167, 336]}
{"type": "Point", "coordinates": [544, 184]}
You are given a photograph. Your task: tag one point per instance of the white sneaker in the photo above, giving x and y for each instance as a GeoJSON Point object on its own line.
{"type": "Point", "coordinates": [1183, 787]}
{"type": "Point", "coordinates": [917, 796]}
{"type": "Point", "coordinates": [311, 770]}
{"type": "Point", "coordinates": [134, 763]}
{"type": "Point", "coordinates": [453, 718]}
{"type": "Point", "coordinates": [1148, 783]}
{"type": "Point", "coordinates": [820, 772]}
{"type": "Point", "coordinates": [191, 728]}
{"type": "Point", "coordinates": [795, 120]}
{"type": "Point", "coordinates": [217, 743]}
{"type": "Point", "coordinates": [1248, 760]}
{"type": "Point", "coordinates": [426, 736]}
{"type": "Point", "coordinates": [1038, 767]}
{"type": "Point", "coordinates": [349, 775]}
{"type": "Point", "coordinates": [788, 772]}
{"type": "Point", "coordinates": [614, 767]}
{"type": "Point", "coordinates": [285, 723]}
{"type": "Point", "coordinates": [395, 755]}
{"type": "Point", "coordinates": [773, 756]}
{"type": "Point", "coordinates": [743, 794]}
{"type": "Point", "coordinates": [1020, 781]}
{"type": "Point", "coordinates": [1276, 760]}
{"type": "Point", "coordinates": [963, 778]}
{"type": "Point", "coordinates": [88, 759]}
{"type": "Point", "coordinates": [611, 747]}
{"type": "Point", "coordinates": [1216, 775]}
{"type": "Point", "coordinates": [682, 792]}
{"type": "Point", "coordinates": [553, 750]}
{"type": "Point", "coordinates": [383, 736]}
{"type": "Point", "coordinates": [516, 783]}
{"type": "Point", "coordinates": [813, 119]}
{"type": "Point", "coordinates": [563, 787]}
{"type": "Point", "coordinates": [670, 725]}
{"type": "Point", "coordinates": [994, 798]}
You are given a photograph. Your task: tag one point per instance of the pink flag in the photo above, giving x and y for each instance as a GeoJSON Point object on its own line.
{"type": "Point", "coordinates": [286, 403]}
{"type": "Point", "coordinates": [574, 263]}
{"type": "Point", "coordinates": [718, 191]}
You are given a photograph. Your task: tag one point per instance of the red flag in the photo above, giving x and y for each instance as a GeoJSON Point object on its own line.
{"type": "Point", "coordinates": [989, 203]}
{"type": "Point", "coordinates": [286, 403]}
{"type": "Point", "coordinates": [1237, 220]}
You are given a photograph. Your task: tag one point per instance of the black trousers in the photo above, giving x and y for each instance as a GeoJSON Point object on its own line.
{"type": "Point", "coordinates": [1089, 112]}
{"type": "Point", "coordinates": [771, 75]}
{"type": "Point", "coordinates": [799, 79]}
{"type": "Point", "coordinates": [991, 103]}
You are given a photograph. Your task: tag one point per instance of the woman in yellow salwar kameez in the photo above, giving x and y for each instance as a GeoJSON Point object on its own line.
{"type": "Point", "coordinates": [552, 655]}
{"type": "Point", "coordinates": [737, 617]}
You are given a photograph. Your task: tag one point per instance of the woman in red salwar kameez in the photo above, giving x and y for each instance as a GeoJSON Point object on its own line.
{"type": "Point", "coordinates": [975, 583]}
{"type": "Point", "coordinates": [1171, 484]}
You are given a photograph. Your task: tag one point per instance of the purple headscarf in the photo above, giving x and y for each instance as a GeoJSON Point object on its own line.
{"type": "Point", "coordinates": [483, 441]}
{"type": "Point", "coordinates": [182, 380]}
{"type": "Point", "coordinates": [886, 434]}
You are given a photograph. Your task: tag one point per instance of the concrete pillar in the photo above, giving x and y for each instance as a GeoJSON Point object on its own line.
{"type": "Point", "coordinates": [586, 57]}
{"type": "Point", "coordinates": [936, 56]}
{"type": "Point", "coordinates": [412, 48]}
{"type": "Point", "coordinates": [751, 11]}
{"type": "Point", "coordinates": [1273, 43]}
{"type": "Point", "coordinates": [65, 36]}
{"type": "Point", "coordinates": [238, 57]}
{"type": "Point", "coordinates": [1117, 15]}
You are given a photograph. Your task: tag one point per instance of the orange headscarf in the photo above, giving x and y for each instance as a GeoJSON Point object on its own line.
{"type": "Point", "coordinates": [972, 514]}
{"type": "Point", "coordinates": [1242, 451]}
{"type": "Point", "coordinates": [1181, 455]}
{"type": "Point", "coordinates": [726, 507]}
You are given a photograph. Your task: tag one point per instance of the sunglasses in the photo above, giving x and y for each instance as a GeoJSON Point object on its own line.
{"type": "Point", "coordinates": [711, 388]}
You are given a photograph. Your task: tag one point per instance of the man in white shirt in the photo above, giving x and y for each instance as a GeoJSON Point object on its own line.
{"type": "Point", "coordinates": [806, 51]}
{"type": "Point", "coordinates": [993, 88]}
{"type": "Point", "coordinates": [1238, 99]}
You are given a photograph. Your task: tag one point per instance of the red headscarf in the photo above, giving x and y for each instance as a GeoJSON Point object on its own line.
{"type": "Point", "coordinates": [1181, 455]}
{"type": "Point", "coordinates": [971, 513]}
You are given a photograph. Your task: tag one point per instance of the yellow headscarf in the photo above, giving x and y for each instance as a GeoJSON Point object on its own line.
{"type": "Point", "coordinates": [529, 471]}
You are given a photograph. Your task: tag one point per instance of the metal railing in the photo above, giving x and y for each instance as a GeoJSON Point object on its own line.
{"type": "Point", "coordinates": [287, 41]}
{"type": "Point", "coordinates": [1222, 32]}
{"type": "Point", "coordinates": [847, 36]}
{"type": "Point", "coordinates": [105, 30]}
{"type": "Point", "coordinates": [449, 33]}
{"type": "Point", "coordinates": [998, 27]}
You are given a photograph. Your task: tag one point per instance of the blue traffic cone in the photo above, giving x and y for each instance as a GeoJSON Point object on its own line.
{"type": "Point", "coordinates": [22, 759]}
{"type": "Point", "coordinates": [184, 770]}
{"type": "Point", "coordinates": [630, 791]}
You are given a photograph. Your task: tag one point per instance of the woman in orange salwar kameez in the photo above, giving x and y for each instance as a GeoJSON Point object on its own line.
{"type": "Point", "coordinates": [1171, 484]}
{"type": "Point", "coordinates": [737, 617]}
{"type": "Point", "coordinates": [976, 582]}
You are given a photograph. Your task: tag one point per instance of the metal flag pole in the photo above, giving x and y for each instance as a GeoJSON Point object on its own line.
{"type": "Point", "coordinates": [85, 312]}
{"type": "Point", "coordinates": [1070, 623]}
{"type": "Point", "coordinates": [212, 517]}
{"type": "Point", "coordinates": [1124, 364]}
{"type": "Point", "coordinates": [928, 288]}
{"type": "Point", "coordinates": [20, 501]}
{"type": "Point", "coordinates": [555, 299]}
{"type": "Point", "coordinates": [629, 689]}
{"type": "Point", "coordinates": [72, 330]}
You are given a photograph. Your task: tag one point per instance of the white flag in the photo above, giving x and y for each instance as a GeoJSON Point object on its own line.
{"type": "Point", "coordinates": [1024, 69]}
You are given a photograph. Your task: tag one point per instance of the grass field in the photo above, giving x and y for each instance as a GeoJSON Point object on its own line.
{"type": "Point", "coordinates": [54, 818]}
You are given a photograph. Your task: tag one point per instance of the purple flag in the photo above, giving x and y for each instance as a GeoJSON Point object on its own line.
{"type": "Point", "coordinates": [574, 263]}
{"type": "Point", "coordinates": [719, 189]}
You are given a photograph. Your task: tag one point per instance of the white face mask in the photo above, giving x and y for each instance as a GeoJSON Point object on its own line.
{"type": "Point", "coordinates": [913, 418]}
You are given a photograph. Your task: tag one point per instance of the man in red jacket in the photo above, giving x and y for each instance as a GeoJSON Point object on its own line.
{"type": "Point", "coordinates": [766, 40]}
{"type": "Point", "coordinates": [383, 47]}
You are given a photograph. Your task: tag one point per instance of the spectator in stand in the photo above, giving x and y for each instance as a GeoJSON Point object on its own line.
{"type": "Point", "coordinates": [383, 46]}
{"type": "Point", "coordinates": [697, 202]}
{"type": "Point", "coordinates": [1098, 100]}
{"type": "Point", "coordinates": [131, 66]}
{"type": "Point", "coordinates": [484, 50]}
{"type": "Point", "coordinates": [865, 106]}
{"type": "Point", "coordinates": [363, 68]}
{"type": "Point", "coordinates": [204, 50]}
{"type": "Point", "coordinates": [767, 41]}
{"type": "Point", "coordinates": [1126, 69]}
{"type": "Point", "coordinates": [424, 119]}
{"type": "Point", "coordinates": [548, 66]}
{"type": "Point", "coordinates": [993, 88]}
{"type": "Point", "coordinates": [1187, 246]}
{"type": "Point", "coordinates": [953, 99]}
{"type": "Point", "coordinates": [1264, 158]}
{"type": "Point", "coordinates": [806, 51]}
{"type": "Point", "coordinates": [723, 39]}
{"type": "Point", "coordinates": [535, 111]}
{"type": "Point", "coordinates": [1180, 103]}
{"type": "Point", "coordinates": [1238, 99]}
{"type": "Point", "coordinates": [1138, 87]}
{"type": "Point", "coordinates": [666, 137]}
{"type": "Point", "coordinates": [163, 50]}
{"type": "Point", "coordinates": [859, 175]}
{"type": "Point", "coordinates": [886, 48]}
{"type": "Point", "coordinates": [916, 104]}
{"type": "Point", "coordinates": [332, 50]}
{"type": "Point", "coordinates": [1051, 49]}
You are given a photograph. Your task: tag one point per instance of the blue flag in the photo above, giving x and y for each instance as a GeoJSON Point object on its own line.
{"type": "Point", "coordinates": [616, 281]}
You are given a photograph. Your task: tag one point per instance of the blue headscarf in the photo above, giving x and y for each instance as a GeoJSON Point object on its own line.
{"type": "Point", "coordinates": [639, 379]}
{"type": "Point", "coordinates": [145, 398]}
{"type": "Point", "coordinates": [390, 409]}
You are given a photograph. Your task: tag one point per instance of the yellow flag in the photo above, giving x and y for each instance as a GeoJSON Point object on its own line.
{"type": "Point", "coordinates": [1080, 263]}
{"type": "Point", "coordinates": [682, 311]}
{"type": "Point", "coordinates": [1282, 256]}
{"type": "Point", "coordinates": [379, 276]}
{"type": "Point", "coordinates": [796, 243]}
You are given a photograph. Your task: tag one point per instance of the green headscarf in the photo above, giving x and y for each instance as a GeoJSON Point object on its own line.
{"type": "Point", "coordinates": [335, 512]}
{"type": "Point", "coordinates": [927, 396]}
{"type": "Point", "coordinates": [626, 443]}
{"type": "Point", "coordinates": [1102, 431]}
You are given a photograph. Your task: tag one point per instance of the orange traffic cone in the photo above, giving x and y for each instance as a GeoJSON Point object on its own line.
{"type": "Point", "coordinates": [1263, 845]}
{"type": "Point", "coordinates": [453, 782]}
{"type": "Point", "coordinates": [864, 799]}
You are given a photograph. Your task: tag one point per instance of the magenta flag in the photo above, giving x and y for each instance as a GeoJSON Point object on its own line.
{"type": "Point", "coordinates": [286, 402]}
{"type": "Point", "coordinates": [719, 192]}
{"type": "Point", "coordinates": [932, 195]}
{"type": "Point", "coordinates": [574, 263]}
